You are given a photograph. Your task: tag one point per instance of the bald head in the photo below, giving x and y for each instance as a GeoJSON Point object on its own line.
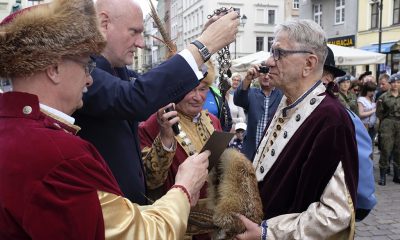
{"type": "Point", "coordinates": [121, 22]}
{"type": "Point", "coordinates": [118, 8]}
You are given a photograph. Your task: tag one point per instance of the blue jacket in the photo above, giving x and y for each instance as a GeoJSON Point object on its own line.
{"type": "Point", "coordinates": [366, 199]}
{"type": "Point", "coordinates": [252, 101]}
{"type": "Point", "coordinates": [224, 112]}
{"type": "Point", "coordinates": [114, 105]}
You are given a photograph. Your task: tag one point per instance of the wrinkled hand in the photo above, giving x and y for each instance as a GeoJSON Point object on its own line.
{"type": "Point", "coordinates": [253, 230]}
{"type": "Point", "coordinates": [220, 31]}
{"type": "Point", "coordinates": [166, 133]}
{"type": "Point", "coordinates": [192, 174]}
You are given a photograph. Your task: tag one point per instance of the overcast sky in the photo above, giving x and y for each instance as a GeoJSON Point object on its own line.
{"type": "Point", "coordinates": [146, 6]}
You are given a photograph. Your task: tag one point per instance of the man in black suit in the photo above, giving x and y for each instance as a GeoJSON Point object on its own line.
{"type": "Point", "coordinates": [120, 98]}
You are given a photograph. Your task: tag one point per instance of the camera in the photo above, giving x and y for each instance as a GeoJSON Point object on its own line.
{"type": "Point", "coordinates": [263, 69]}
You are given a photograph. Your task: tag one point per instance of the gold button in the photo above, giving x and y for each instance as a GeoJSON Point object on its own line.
{"type": "Point", "coordinates": [27, 110]}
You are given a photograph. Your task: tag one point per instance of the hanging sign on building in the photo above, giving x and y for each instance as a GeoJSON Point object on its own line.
{"type": "Point", "coordinates": [345, 41]}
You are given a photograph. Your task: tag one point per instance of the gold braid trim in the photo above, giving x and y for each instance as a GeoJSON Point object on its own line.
{"type": "Point", "coordinates": [59, 119]}
{"type": "Point", "coordinates": [186, 141]}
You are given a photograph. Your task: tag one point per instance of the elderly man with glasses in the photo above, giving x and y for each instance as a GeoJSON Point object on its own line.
{"type": "Point", "coordinates": [306, 163]}
{"type": "Point", "coordinates": [54, 185]}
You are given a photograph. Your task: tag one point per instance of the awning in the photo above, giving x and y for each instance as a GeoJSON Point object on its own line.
{"type": "Point", "coordinates": [343, 56]}
{"type": "Point", "coordinates": [244, 63]}
{"type": "Point", "coordinates": [385, 47]}
{"type": "Point", "coordinates": [353, 56]}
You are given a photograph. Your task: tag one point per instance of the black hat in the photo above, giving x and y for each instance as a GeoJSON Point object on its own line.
{"type": "Point", "coordinates": [330, 66]}
{"type": "Point", "coordinates": [364, 74]}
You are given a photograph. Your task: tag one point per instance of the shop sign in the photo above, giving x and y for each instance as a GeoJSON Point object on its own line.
{"type": "Point", "coordinates": [346, 41]}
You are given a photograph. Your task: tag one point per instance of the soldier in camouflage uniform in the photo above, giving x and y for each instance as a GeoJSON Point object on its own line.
{"type": "Point", "coordinates": [346, 97]}
{"type": "Point", "coordinates": [388, 112]}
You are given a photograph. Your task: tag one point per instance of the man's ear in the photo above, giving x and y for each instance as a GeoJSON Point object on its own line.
{"type": "Point", "coordinates": [53, 73]}
{"type": "Point", "coordinates": [104, 22]}
{"type": "Point", "coordinates": [310, 65]}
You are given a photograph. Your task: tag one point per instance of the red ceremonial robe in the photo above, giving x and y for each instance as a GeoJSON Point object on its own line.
{"type": "Point", "coordinates": [148, 132]}
{"type": "Point", "coordinates": [49, 178]}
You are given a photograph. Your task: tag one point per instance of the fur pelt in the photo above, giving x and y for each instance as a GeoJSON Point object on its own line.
{"type": "Point", "coordinates": [233, 189]}
{"type": "Point", "coordinates": [40, 36]}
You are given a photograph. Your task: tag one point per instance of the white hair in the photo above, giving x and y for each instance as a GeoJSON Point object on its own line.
{"type": "Point", "coordinates": [233, 76]}
{"type": "Point", "coordinates": [308, 35]}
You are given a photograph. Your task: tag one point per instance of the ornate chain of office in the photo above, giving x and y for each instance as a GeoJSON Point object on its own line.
{"type": "Point", "coordinates": [224, 62]}
{"type": "Point", "coordinates": [223, 59]}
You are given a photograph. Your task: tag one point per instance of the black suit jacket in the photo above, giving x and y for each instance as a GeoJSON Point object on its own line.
{"type": "Point", "coordinates": [114, 105]}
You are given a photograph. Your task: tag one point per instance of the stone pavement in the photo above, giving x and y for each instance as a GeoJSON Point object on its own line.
{"type": "Point", "coordinates": [383, 223]}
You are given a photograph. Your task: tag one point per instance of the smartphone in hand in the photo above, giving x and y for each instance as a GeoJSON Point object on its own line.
{"type": "Point", "coordinates": [175, 127]}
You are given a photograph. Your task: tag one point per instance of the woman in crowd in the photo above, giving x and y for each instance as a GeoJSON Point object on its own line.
{"type": "Point", "coordinates": [237, 113]}
{"type": "Point", "coordinates": [355, 87]}
{"type": "Point", "coordinates": [367, 107]}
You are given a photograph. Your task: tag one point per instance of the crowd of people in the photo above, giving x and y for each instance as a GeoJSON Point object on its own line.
{"type": "Point", "coordinates": [370, 102]}
{"type": "Point", "coordinates": [134, 169]}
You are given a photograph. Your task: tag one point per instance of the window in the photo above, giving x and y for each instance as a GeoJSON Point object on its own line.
{"type": "Point", "coordinates": [339, 11]}
{"type": "Point", "coordinates": [296, 4]}
{"type": "Point", "coordinates": [374, 15]}
{"type": "Point", "coordinates": [270, 41]}
{"type": "Point", "coordinates": [265, 16]}
{"type": "Point", "coordinates": [317, 9]}
{"type": "Point", "coordinates": [259, 44]}
{"type": "Point", "coordinates": [271, 16]}
{"type": "Point", "coordinates": [396, 11]}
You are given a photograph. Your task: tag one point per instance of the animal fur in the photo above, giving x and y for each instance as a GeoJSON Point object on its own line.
{"type": "Point", "coordinates": [40, 36]}
{"type": "Point", "coordinates": [233, 189]}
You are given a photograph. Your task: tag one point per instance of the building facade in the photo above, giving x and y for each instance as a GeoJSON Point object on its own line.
{"type": "Point", "coordinates": [8, 6]}
{"type": "Point", "coordinates": [258, 20]}
{"type": "Point", "coordinates": [369, 15]}
{"type": "Point", "coordinates": [338, 18]}
{"type": "Point", "coordinates": [255, 33]}
{"type": "Point", "coordinates": [292, 9]}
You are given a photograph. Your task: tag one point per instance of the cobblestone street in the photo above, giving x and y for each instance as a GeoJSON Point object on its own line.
{"type": "Point", "coordinates": [384, 220]}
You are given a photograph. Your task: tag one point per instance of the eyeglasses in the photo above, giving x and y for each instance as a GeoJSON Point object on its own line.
{"type": "Point", "coordinates": [88, 66]}
{"type": "Point", "coordinates": [277, 53]}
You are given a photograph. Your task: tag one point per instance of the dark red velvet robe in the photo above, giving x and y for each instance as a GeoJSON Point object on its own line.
{"type": "Point", "coordinates": [49, 178]}
{"type": "Point", "coordinates": [309, 160]}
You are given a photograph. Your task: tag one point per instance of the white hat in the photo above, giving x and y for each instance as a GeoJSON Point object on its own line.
{"type": "Point", "coordinates": [240, 125]}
